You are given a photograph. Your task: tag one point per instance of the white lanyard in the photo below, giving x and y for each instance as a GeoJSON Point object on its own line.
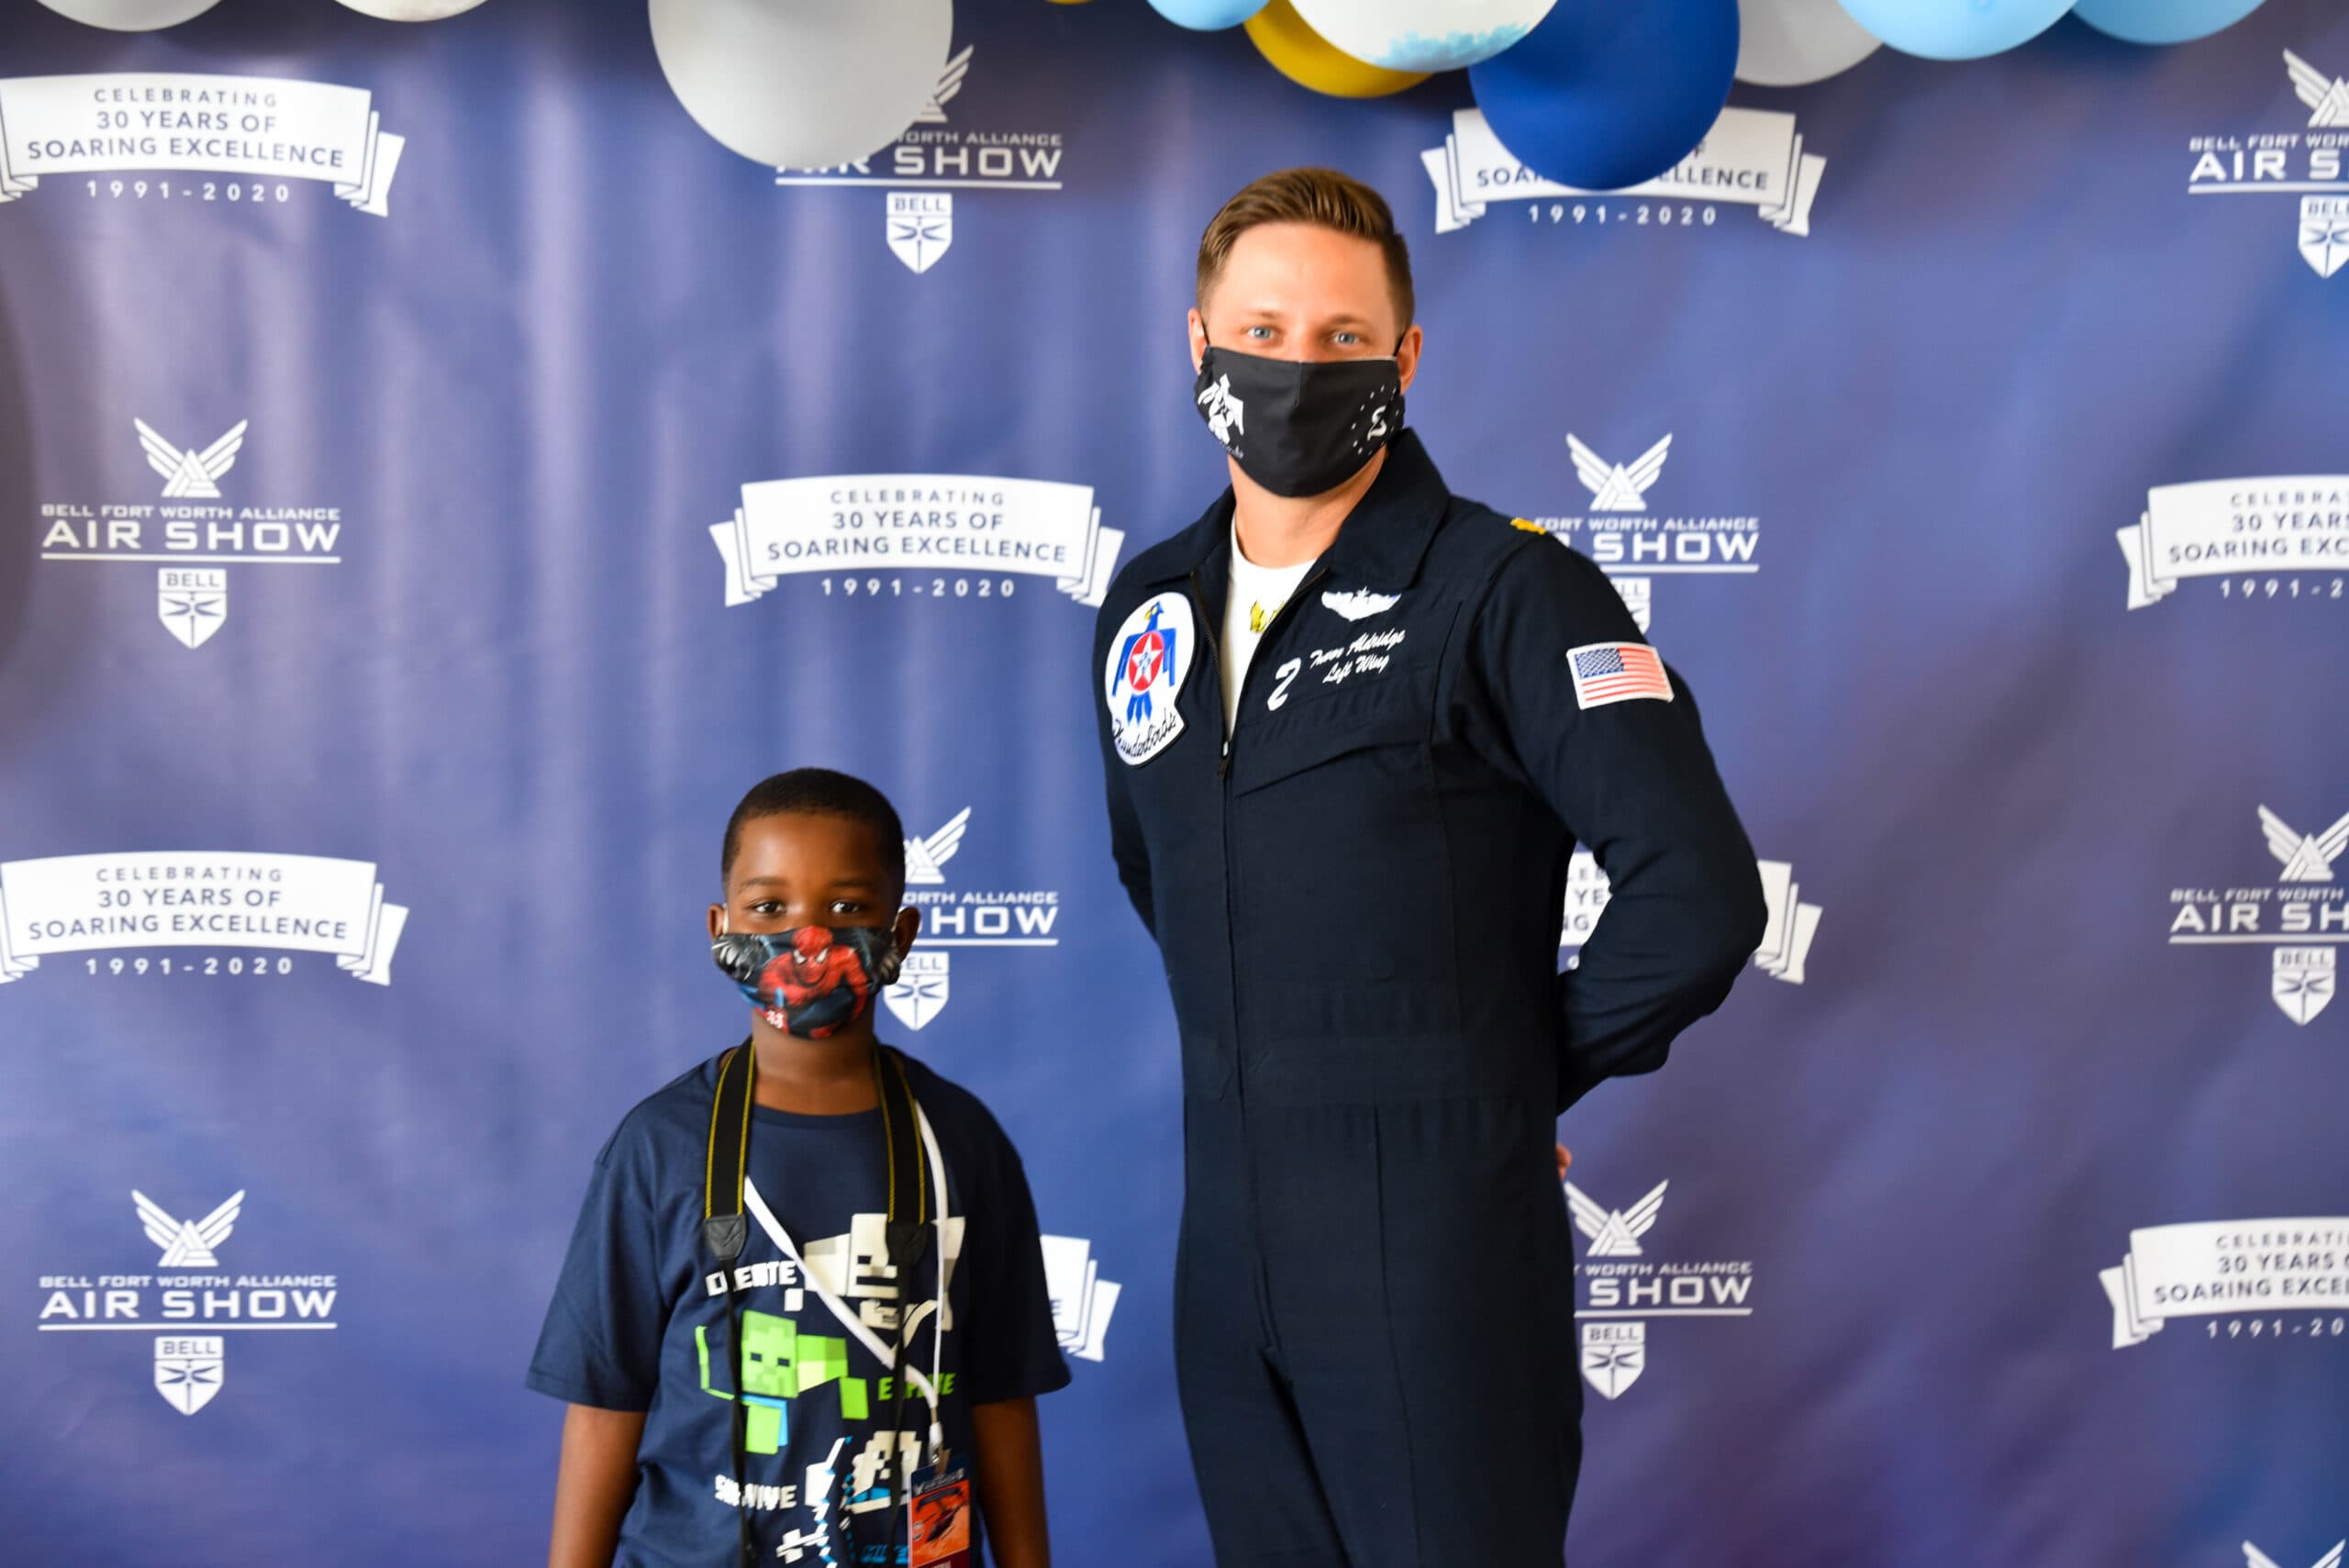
{"type": "Point", "coordinates": [908, 1321]}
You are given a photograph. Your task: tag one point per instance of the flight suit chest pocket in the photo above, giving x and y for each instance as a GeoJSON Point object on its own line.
{"type": "Point", "coordinates": [1325, 726]}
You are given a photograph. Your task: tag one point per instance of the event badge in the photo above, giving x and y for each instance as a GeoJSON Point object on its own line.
{"type": "Point", "coordinates": [941, 1531]}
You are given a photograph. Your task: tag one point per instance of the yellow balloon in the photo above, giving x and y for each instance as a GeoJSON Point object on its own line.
{"type": "Point", "coordinates": [1308, 58]}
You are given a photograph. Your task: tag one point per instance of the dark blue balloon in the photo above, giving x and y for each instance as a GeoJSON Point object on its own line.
{"type": "Point", "coordinates": [1608, 92]}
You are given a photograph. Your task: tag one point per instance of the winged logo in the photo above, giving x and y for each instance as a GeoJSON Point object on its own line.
{"type": "Point", "coordinates": [1618, 487]}
{"type": "Point", "coordinates": [2255, 1557]}
{"type": "Point", "coordinates": [191, 473]}
{"type": "Point", "coordinates": [1359, 603]}
{"type": "Point", "coordinates": [1615, 1233]}
{"type": "Point", "coordinates": [926, 857]}
{"type": "Point", "coordinates": [2326, 96]}
{"type": "Point", "coordinates": [2307, 857]}
{"type": "Point", "coordinates": [950, 82]}
{"type": "Point", "coordinates": [187, 1243]}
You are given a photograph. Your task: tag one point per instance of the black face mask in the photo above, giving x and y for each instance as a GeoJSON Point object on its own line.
{"type": "Point", "coordinates": [1296, 427]}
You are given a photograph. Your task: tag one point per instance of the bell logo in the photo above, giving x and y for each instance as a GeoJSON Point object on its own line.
{"type": "Point", "coordinates": [1613, 1356]}
{"type": "Point", "coordinates": [921, 226]}
{"type": "Point", "coordinates": [189, 1370]}
{"type": "Point", "coordinates": [192, 605]}
{"type": "Point", "coordinates": [919, 992]}
{"type": "Point", "coordinates": [2324, 233]}
{"type": "Point", "coordinates": [2303, 981]}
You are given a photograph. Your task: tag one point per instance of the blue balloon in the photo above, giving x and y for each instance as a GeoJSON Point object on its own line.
{"type": "Point", "coordinates": [1956, 29]}
{"type": "Point", "coordinates": [1606, 94]}
{"type": "Point", "coordinates": [2163, 21]}
{"type": "Point", "coordinates": [1207, 16]}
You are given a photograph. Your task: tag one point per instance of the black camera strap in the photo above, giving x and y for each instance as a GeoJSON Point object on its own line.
{"type": "Point", "coordinates": [724, 1228]}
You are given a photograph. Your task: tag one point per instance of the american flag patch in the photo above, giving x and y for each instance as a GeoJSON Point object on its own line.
{"type": "Point", "coordinates": [1616, 671]}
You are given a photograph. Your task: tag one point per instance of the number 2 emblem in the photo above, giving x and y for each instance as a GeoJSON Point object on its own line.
{"type": "Point", "coordinates": [1286, 672]}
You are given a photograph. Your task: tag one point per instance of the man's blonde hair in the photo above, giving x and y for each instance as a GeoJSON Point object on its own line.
{"type": "Point", "coordinates": [1322, 197]}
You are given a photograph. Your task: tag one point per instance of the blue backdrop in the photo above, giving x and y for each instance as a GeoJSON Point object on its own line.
{"type": "Point", "coordinates": [387, 630]}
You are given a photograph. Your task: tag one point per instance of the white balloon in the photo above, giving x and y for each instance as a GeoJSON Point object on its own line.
{"type": "Point", "coordinates": [1423, 35]}
{"type": "Point", "coordinates": [802, 84]}
{"type": "Point", "coordinates": [1788, 43]}
{"type": "Point", "coordinates": [411, 10]}
{"type": "Point", "coordinates": [131, 16]}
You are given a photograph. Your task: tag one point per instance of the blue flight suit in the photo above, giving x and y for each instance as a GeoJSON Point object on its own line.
{"type": "Point", "coordinates": [1358, 896]}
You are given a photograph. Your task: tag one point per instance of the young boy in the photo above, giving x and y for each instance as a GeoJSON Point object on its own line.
{"type": "Point", "coordinates": [808, 1400]}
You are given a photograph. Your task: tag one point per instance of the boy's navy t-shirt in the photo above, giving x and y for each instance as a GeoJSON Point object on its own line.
{"type": "Point", "coordinates": [634, 1326]}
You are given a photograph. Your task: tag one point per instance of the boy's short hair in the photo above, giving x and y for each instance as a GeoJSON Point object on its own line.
{"type": "Point", "coordinates": [818, 791]}
{"type": "Point", "coordinates": [1322, 197]}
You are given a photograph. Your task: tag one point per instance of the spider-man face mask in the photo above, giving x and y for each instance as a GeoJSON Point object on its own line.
{"type": "Point", "coordinates": [811, 980]}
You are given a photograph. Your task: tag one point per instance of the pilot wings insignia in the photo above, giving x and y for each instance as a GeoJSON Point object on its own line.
{"type": "Point", "coordinates": [187, 1243]}
{"type": "Point", "coordinates": [2306, 857]}
{"type": "Point", "coordinates": [1618, 487]}
{"type": "Point", "coordinates": [191, 473]}
{"type": "Point", "coordinates": [950, 82]}
{"type": "Point", "coordinates": [2255, 1557]}
{"type": "Point", "coordinates": [1615, 1233]}
{"type": "Point", "coordinates": [1359, 603]}
{"type": "Point", "coordinates": [925, 858]}
{"type": "Point", "coordinates": [2326, 96]}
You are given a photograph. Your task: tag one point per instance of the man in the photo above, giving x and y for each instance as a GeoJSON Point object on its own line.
{"type": "Point", "coordinates": [1354, 727]}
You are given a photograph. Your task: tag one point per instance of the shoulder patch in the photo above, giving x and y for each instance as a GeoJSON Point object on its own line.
{"type": "Point", "coordinates": [1528, 525]}
{"type": "Point", "coordinates": [1616, 671]}
{"type": "Point", "coordinates": [1149, 658]}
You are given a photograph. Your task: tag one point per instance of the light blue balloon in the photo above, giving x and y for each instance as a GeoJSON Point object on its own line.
{"type": "Point", "coordinates": [2163, 21]}
{"type": "Point", "coordinates": [1956, 29]}
{"type": "Point", "coordinates": [1207, 16]}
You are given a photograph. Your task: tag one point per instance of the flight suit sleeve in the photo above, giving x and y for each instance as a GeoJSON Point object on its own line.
{"type": "Point", "coordinates": [1633, 782]}
{"type": "Point", "coordinates": [1125, 846]}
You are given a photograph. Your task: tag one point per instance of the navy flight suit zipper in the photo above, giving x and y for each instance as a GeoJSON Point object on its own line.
{"type": "Point", "coordinates": [1223, 820]}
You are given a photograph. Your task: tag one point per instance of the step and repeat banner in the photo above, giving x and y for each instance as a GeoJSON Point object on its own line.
{"type": "Point", "coordinates": [437, 480]}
